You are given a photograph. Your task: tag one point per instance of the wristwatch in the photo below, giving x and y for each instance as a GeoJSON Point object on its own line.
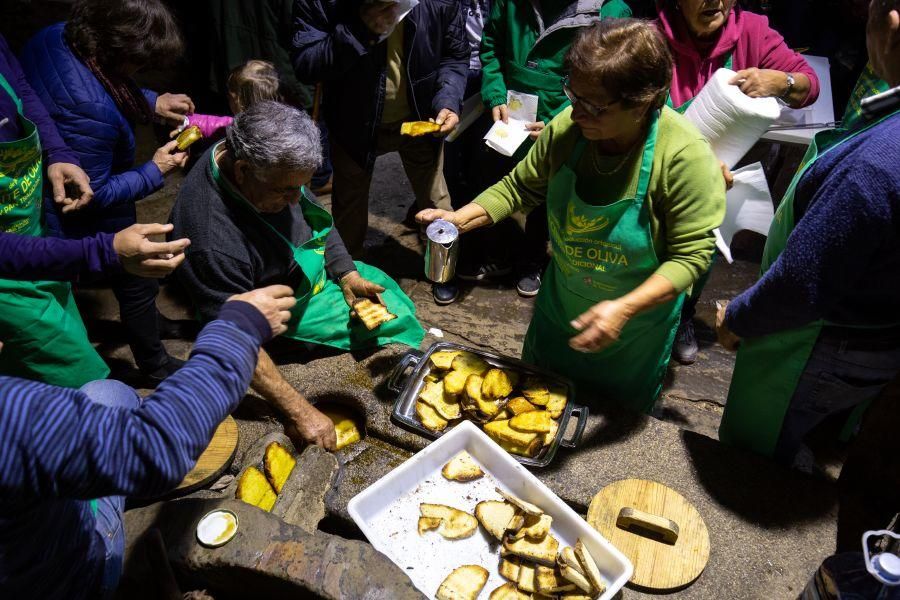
{"type": "Point", "coordinates": [790, 87]}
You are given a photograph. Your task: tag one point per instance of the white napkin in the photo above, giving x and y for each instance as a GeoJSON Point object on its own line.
{"type": "Point", "coordinates": [404, 7]}
{"type": "Point", "coordinates": [506, 138]}
{"type": "Point", "coordinates": [729, 119]}
{"type": "Point", "coordinates": [748, 206]}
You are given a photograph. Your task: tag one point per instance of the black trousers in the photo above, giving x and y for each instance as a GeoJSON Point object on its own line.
{"type": "Point", "coordinates": [137, 311]}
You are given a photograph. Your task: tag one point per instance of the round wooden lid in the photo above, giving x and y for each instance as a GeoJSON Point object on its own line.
{"type": "Point", "coordinates": [659, 564]}
{"type": "Point", "coordinates": [215, 459]}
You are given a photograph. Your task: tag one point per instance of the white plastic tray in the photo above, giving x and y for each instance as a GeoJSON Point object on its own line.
{"type": "Point", "coordinates": [387, 513]}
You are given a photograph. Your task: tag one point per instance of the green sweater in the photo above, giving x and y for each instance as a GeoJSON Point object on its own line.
{"type": "Point", "coordinates": [510, 42]}
{"type": "Point", "coordinates": [686, 195]}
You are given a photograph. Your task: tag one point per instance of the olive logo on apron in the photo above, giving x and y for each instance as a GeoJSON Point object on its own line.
{"type": "Point", "coordinates": [581, 224]}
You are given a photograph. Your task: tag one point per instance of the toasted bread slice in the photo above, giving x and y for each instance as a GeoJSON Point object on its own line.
{"type": "Point", "coordinates": [509, 591]}
{"type": "Point", "coordinates": [503, 415]}
{"type": "Point", "coordinates": [495, 516]}
{"type": "Point", "coordinates": [463, 583]}
{"type": "Point", "coordinates": [542, 552]}
{"type": "Point", "coordinates": [429, 417]}
{"type": "Point", "coordinates": [526, 581]}
{"type": "Point", "coordinates": [455, 524]}
{"type": "Point", "coordinates": [589, 567]}
{"type": "Point", "coordinates": [278, 463]}
{"type": "Point", "coordinates": [536, 391]}
{"type": "Point", "coordinates": [536, 421]}
{"type": "Point", "coordinates": [446, 406]}
{"type": "Point", "coordinates": [372, 314]}
{"type": "Point", "coordinates": [571, 574]}
{"type": "Point", "coordinates": [443, 359]}
{"type": "Point", "coordinates": [473, 388]}
{"type": "Point", "coordinates": [253, 488]}
{"type": "Point", "coordinates": [496, 385]}
{"type": "Point", "coordinates": [462, 467]}
{"type": "Point", "coordinates": [535, 528]}
{"type": "Point", "coordinates": [526, 507]}
{"type": "Point", "coordinates": [418, 128]}
{"type": "Point", "coordinates": [548, 580]}
{"type": "Point", "coordinates": [345, 426]}
{"type": "Point", "coordinates": [519, 405]}
{"type": "Point", "coordinates": [551, 435]}
{"type": "Point", "coordinates": [509, 568]}
{"type": "Point", "coordinates": [489, 408]}
{"type": "Point", "coordinates": [567, 558]}
{"type": "Point", "coordinates": [469, 364]}
{"type": "Point", "coordinates": [576, 595]}
{"type": "Point", "coordinates": [500, 430]}
{"type": "Point", "coordinates": [530, 450]}
{"type": "Point", "coordinates": [455, 382]}
{"type": "Point", "coordinates": [557, 402]}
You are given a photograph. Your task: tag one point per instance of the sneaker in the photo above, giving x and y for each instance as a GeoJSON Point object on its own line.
{"type": "Point", "coordinates": [685, 348]}
{"type": "Point", "coordinates": [480, 272]}
{"type": "Point", "coordinates": [529, 285]}
{"type": "Point", "coordinates": [444, 293]}
{"type": "Point", "coordinates": [151, 379]}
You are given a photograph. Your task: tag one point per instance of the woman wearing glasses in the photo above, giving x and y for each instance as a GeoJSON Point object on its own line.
{"type": "Point", "coordinates": [632, 193]}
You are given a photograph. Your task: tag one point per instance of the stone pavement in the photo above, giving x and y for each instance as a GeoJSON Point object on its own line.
{"type": "Point", "coordinates": [769, 529]}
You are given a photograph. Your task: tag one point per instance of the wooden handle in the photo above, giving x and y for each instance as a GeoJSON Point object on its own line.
{"type": "Point", "coordinates": [662, 528]}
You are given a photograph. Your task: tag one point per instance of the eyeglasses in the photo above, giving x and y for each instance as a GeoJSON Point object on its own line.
{"type": "Point", "coordinates": [589, 107]}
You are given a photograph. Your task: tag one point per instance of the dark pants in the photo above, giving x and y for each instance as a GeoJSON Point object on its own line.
{"type": "Point", "coordinates": [137, 311]}
{"type": "Point", "coordinates": [689, 308]}
{"type": "Point", "coordinates": [841, 374]}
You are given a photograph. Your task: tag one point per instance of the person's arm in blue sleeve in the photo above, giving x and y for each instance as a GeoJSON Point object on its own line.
{"type": "Point", "coordinates": [101, 451]}
{"type": "Point", "coordinates": [824, 256]}
{"type": "Point", "coordinates": [55, 148]}
{"type": "Point", "coordinates": [454, 66]}
{"type": "Point", "coordinates": [30, 258]}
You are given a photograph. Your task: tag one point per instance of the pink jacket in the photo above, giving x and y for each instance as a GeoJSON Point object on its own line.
{"type": "Point", "coordinates": [746, 34]}
{"type": "Point", "coordinates": [209, 124]}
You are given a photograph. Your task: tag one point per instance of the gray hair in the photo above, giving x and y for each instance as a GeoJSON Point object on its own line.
{"type": "Point", "coordinates": [274, 136]}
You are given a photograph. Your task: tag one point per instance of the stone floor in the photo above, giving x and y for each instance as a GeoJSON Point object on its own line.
{"type": "Point", "coordinates": [769, 529]}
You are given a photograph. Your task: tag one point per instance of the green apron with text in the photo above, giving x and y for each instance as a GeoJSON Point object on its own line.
{"type": "Point", "coordinates": [602, 252]}
{"type": "Point", "coordinates": [729, 63]}
{"type": "Point", "coordinates": [868, 84]}
{"type": "Point", "coordinates": [43, 336]}
{"type": "Point", "coordinates": [768, 368]}
{"type": "Point", "coordinates": [321, 315]}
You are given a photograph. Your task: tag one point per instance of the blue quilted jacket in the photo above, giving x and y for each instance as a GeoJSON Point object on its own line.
{"type": "Point", "coordinates": [92, 126]}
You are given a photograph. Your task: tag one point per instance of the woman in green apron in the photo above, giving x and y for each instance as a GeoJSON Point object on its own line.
{"type": "Point", "coordinates": [254, 224]}
{"type": "Point", "coordinates": [838, 355]}
{"type": "Point", "coordinates": [704, 38]}
{"type": "Point", "coordinates": [632, 194]}
{"type": "Point", "coordinates": [42, 333]}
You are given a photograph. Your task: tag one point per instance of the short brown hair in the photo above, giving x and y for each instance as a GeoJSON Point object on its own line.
{"type": "Point", "coordinates": [627, 57]}
{"type": "Point", "coordinates": [254, 81]}
{"type": "Point", "coordinates": [116, 32]}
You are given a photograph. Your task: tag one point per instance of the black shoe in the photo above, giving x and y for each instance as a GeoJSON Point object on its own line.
{"type": "Point", "coordinates": [483, 271]}
{"type": "Point", "coordinates": [529, 285]}
{"type": "Point", "coordinates": [444, 293]}
{"type": "Point", "coordinates": [160, 374]}
{"type": "Point", "coordinates": [685, 348]}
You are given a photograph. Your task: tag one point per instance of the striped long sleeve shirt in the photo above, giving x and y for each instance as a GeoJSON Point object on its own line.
{"type": "Point", "coordinates": [58, 450]}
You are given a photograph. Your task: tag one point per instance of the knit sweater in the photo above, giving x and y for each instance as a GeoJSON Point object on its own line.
{"type": "Point", "coordinates": [59, 449]}
{"type": "Point", "coordinates": [842, 259]}
{"type": "Point", "coordinates": [746, 35]}
{"type": "Point", "coordinates": [686, 195]}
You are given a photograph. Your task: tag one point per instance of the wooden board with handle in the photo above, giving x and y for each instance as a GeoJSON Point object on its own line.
{"type": "Point", "coordinates": [656, 528]}
{"type": "Point", "coordinates": [215, 459]}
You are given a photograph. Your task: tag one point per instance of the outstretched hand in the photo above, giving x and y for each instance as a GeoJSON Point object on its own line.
{"type": "Point", "coordinates": [142, 256]}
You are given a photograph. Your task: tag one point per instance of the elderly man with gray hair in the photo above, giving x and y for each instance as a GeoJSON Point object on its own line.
{"type": "Point", "coordinates": [252, 223]}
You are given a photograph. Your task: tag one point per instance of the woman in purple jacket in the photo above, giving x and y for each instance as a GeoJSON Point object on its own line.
{"type": "Point", "coordinates": [707, 35]}
{"type": "Point", "coordinates": [82, 70]}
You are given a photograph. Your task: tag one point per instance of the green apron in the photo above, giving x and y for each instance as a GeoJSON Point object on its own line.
{"type": "Point", "coordinates": [729, 63]}
{"type": "Point", "coordinates": [768, 368]}
{"type": "Point", "coordinates": [321, 315]}
{"type": "Point", "coordinates": [868, 84]}
{"type": "Point", "coordinates": [43, 335]}
{"type": "Point", "coordinates": [601, 252]}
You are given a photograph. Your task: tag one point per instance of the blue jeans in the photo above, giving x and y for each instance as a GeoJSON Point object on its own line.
{"type": "Point", "coordinates": [840, 375]}
{"type": "Point", "coordinates": [109, 526]}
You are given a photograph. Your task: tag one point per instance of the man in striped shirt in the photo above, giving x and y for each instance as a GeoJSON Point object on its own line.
{"type": "Point", "coordinates": [60, 449]}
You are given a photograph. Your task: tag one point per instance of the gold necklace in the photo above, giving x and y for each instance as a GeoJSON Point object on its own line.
{"type": "Point", "coordinates": [596, 161]}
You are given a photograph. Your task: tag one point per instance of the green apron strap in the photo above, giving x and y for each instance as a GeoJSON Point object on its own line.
{"type": "Point", "coordinates": [18, 101]}
{"type": "Point", "coordinates": [647, 161]}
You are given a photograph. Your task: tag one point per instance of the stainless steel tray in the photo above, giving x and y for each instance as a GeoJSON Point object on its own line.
{"type": "Point", "coordinates": [408, 379]}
